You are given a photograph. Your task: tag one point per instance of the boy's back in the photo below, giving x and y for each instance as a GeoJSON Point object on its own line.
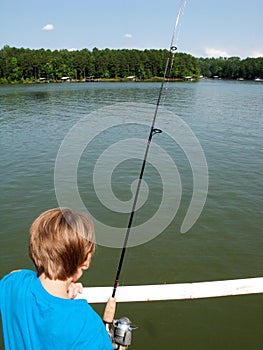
{"type": "Point", "coordinates": [34, 319]}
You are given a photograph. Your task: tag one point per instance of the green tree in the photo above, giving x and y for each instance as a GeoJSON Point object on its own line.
{"type": "Point", "coordinates": [19, 65]}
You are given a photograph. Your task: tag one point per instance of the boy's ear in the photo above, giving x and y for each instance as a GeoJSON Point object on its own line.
{"type": "Point", "coordinates": [86, 263]}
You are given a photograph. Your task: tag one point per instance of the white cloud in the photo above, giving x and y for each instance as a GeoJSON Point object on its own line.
{"type": "Point", "coordinates": [216, 52]}
{"type": "Point", "coordinates": [128, 36]}
{"type": "Point", "coordinates": [48, 27]}
{"type": "Point", "coordinates": [73, 49]}
{"type": "Point", "coordinates": [257, 54]}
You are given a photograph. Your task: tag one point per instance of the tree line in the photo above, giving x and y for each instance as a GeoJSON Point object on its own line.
{"type": "Point", "coordinates": [28, 65]}
{"type": "Point", "coordinates": [232, 68]}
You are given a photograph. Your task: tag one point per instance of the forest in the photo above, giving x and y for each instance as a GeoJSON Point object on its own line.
{"type": "Point", "coordinates": [20, 65]}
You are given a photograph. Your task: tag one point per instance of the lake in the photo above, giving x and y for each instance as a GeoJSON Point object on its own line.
{"type": "Point", "coordinates": [225, 242]}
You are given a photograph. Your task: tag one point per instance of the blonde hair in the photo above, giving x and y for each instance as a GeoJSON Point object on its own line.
{"type": "Point", "coordinates": [60, 242]}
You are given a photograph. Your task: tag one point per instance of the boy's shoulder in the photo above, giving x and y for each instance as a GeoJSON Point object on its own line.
{"type": "Point", "coordinates": [18, 275]}
{"type": "Point", "coordinates": [11, 283]}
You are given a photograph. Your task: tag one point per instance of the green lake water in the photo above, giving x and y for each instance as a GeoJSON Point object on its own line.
{"type": "Point", "coordinates": [226, 242]}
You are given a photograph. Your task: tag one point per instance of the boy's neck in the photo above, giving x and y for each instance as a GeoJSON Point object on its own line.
{"type": "Point", "coordinates": [56, 288]}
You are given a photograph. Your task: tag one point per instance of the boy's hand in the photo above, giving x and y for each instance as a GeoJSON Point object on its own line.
{"type": "Point", "coordinates": [74, 289]}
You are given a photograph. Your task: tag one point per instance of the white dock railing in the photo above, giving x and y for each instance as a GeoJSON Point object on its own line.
{"type": "Point", "coordinates": [178, 291]}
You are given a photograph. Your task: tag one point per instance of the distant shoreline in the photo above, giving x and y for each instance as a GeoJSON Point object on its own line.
{"type": "Point", "coordinates": [99, 80]}
{"type": "Point", "coordinates": [33, 66]}
{"type": "Point", "coordinates": [123, 80]}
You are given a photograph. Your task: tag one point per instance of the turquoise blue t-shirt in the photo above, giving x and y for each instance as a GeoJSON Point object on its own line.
{"type": "Point", "coordinates": [34, 319]}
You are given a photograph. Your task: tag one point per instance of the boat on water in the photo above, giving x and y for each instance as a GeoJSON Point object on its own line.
{"type": "Point", "coordinates": [258, 79]}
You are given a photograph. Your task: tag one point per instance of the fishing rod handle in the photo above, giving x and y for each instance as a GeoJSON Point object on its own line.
{"type": "Point", "coordinates": [109, 311]}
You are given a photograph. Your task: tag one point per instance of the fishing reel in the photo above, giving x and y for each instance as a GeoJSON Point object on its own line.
{"type": "Point", "coordinates": [121, 333]}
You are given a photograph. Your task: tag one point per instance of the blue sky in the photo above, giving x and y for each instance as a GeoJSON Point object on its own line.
{"type": "Point", "coordinates": [207, 27]}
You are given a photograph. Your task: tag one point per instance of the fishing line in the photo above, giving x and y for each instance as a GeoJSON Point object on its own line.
{"type": "Point", "coordinates": [153, 131]}
{"type": "Point", "coordinates": [175, 39]}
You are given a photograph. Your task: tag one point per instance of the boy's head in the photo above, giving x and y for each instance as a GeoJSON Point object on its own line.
{"type": "Point", "coordinates": [60, 242]}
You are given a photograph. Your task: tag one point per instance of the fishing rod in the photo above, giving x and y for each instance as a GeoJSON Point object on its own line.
{"type": "Point", "coordinates": [110, 308]}
{"type": "Point", "coordinates": [153, 131]}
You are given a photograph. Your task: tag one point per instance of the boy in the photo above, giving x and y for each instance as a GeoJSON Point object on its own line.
{"type": "Point", "coordinates": [37, 309]}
